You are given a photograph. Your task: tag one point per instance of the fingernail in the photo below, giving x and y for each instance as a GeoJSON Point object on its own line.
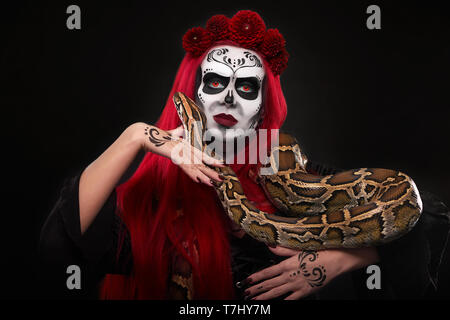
{"type": "Point", "coordinates": [221, 176]}
{"type": "Point", "coordinates": [216, 184]}
{"type": "Point", "coordinates": [243, 283]}
{"type": "Point", "coordinates": [247, 293]}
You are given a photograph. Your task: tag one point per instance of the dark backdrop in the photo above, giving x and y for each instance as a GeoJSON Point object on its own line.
{"type": "Point", "coordinates": [356, 97]}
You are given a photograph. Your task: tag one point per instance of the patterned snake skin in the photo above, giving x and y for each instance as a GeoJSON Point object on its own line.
{"type": "Point", "coordinates": [355, 208]}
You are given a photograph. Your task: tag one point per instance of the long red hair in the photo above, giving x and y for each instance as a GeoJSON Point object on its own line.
{"type": "Point", "coordinates": [150, 202]}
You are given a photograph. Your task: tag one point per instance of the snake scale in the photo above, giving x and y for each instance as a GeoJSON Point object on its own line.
{"type": "Point", "coordinates": [354, 208]}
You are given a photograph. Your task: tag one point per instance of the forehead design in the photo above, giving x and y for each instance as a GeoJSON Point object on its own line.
{"type": "Point", "coordinates": [230, 60]}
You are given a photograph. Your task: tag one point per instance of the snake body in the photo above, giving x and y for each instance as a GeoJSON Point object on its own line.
{"type": "Point", "coordinates": [354, 208]}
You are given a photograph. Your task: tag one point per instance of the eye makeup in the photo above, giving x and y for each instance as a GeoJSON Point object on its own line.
{"type": "Point", "coordinates": [214, 83]}
{"type": "Point", "coordinates": [247, 88]}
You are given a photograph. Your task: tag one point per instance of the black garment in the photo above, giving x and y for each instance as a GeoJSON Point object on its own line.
{"type": "Point", "coordinates": [408, 265]}
{"type": "Point", "coordinates": [61, 244]}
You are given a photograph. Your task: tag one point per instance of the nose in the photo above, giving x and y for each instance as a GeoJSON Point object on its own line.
{"type": "Point", "coordinates": [229, 99]}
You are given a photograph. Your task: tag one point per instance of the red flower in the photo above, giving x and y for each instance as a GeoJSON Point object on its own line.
{"type": "Point", "coordinates": [278, 63]}
{"type": "Point", "coordinates": [247, 29]}
{"type": "Point", "coordinates": [272, 44]}
{"type": "Point", "coordinates": [217, 26]}
{"type": "Point", "coordinates": [196, 41]}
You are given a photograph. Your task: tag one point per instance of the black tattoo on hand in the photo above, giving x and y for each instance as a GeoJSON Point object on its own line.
{"type": "Point", "coordinates": [315, 276]}
{"type": "Point", "coordinates": [293, 274]}
{"type": "Point", "coordinates": [155, 138]}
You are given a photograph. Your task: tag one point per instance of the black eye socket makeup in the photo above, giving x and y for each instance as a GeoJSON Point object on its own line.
{"type": "Point", "coordinates": [247, 88]}
{"type": "Point", "coordinates": [214, 83]}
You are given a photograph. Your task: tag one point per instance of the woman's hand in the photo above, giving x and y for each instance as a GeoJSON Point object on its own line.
{"type": "Point", "coordinates": [192, 161]}
{"type": "Point", "coordinates": [305, 272]}
{"type": "Point", "coordinates": [100, 178]}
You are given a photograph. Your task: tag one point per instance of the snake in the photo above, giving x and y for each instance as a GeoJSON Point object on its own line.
{"type": "Point", "coordinates": [350, 209]}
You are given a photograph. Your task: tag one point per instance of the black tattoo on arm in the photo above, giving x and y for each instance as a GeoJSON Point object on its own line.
{"type": "Point", "coordinates": [314, 275]}
{"type": "Point", "coordinates": [155, 136]}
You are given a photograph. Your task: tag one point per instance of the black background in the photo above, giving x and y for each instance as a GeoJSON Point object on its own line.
{"type": "Point", "coordinates": [356, 97]}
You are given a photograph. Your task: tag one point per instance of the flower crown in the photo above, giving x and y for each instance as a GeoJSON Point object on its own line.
{"type": "Point", "coordinates": [248, 30]}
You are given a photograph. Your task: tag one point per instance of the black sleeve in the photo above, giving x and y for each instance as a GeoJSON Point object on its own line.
{"type": "Point", "coordinates": [61, 245]}
{"type": "Point", "coordinates": [411, 263]}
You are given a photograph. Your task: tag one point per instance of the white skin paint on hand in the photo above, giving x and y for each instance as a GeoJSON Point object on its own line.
{"type": "Point", "coordinates": [230, 92]}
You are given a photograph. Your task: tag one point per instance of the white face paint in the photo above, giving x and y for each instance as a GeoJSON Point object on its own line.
{"type": "Point", "coordinates": [231, 91]}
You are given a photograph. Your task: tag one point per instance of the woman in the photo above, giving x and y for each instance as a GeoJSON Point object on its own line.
{"type": "Point", "coordinates": [162, 234]}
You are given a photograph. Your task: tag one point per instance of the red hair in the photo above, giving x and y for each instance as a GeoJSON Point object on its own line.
{"type": "Point", "coordinates": [150, 200]}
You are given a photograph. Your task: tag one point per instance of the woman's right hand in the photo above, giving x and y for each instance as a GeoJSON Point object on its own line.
{"type": "Point", "coordinates": [170, 144]}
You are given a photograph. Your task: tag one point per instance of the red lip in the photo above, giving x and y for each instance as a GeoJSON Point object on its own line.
{"type": "Point", "coordinates": [226, 120]}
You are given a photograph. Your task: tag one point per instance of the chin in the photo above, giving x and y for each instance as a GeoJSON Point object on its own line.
{"type": "Point", "coordinates": [218, 133]}
{"type": "Point", "coordinates": [239, 135]}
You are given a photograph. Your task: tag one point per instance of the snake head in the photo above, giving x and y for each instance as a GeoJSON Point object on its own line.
{"type": "Point", "coordinates": [179, 105]}
{"type": "Point", "coordinates": [191, 115]}
{"type": "Point", "coordinates": [192, 118]}
{"type": "Point", "coordinates": [189, 111]}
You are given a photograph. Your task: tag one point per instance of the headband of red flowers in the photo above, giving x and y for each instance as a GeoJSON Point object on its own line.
{"type": "Point", "coordinates": [248, 30]}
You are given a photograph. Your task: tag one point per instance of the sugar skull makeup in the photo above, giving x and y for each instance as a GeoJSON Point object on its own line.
{"type": "Point", "coordinates": [231, 91]}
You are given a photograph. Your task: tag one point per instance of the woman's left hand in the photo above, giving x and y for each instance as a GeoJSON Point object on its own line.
{"type": "Point", "coordinates": [305, 272]}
